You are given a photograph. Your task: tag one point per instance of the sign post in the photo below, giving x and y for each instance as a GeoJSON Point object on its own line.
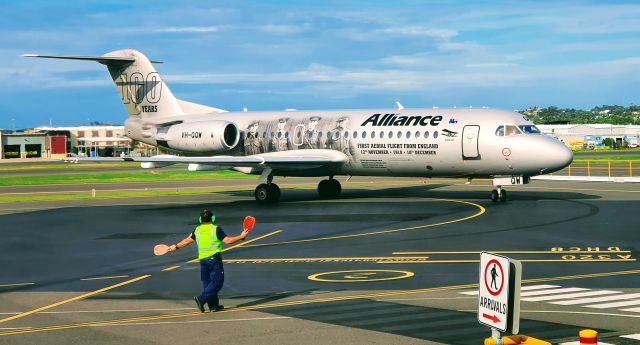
{"type": "Point", "coordinates": [499, 293]}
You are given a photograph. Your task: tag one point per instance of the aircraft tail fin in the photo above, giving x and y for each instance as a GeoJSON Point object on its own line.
{"type": "Point", "coordinates": [142, 90]}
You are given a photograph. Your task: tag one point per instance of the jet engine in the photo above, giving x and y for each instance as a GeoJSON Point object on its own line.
{"type": "Point", "coordinates": [203, 137]}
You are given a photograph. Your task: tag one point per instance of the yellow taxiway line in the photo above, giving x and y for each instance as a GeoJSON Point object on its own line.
{"type": "Point", "coordinates": [521, 260]}
{"type": "Point", "coordinates": [481, 211]}
{"type": "Point", "coordinates": [299, 302]}
{"type": "Point", "coordinates": [92, 293]}
{"type": "Point", "coordinates": [170, 268]}
{"type": "Point", "coordinates": [243, 243]}
{"type": "Point", "coordinates": [74, 298]}
{"type": "Point", "coordinates": [102, 278]}
{"type": "Point", "coordinates": [519, 252]}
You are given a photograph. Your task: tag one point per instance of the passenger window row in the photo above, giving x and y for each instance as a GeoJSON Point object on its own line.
{"type": "Point", "coordinates": [363, 135]}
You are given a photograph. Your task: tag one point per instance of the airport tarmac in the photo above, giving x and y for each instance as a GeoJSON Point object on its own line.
{"type": "Point", "coordinates": [393, 261]}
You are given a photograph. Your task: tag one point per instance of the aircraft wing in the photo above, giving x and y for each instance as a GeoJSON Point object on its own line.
{"type": "Point", "coordinates": [292, 159]}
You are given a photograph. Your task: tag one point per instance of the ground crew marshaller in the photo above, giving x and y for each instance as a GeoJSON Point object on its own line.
{"type": "Point", "coordinates": [209, 238]}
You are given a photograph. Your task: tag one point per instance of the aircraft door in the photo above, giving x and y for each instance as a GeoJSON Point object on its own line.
{"type": "Point", "coordinates": [470, 136]}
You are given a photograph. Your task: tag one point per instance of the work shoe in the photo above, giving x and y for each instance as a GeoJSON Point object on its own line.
{"type": "Point", "coordinates": [218, 308]}
{"type": "Point", "coordinates": [199, 304]}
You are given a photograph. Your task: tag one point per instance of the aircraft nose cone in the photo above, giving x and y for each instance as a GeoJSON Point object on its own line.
{"type": "Point", "coordinates": [561, 156]}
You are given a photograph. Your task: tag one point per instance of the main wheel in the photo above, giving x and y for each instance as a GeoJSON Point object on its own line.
{"type": "Point", "coordinates": [494, 195]}
{"type": "Point", "coordinates": [262, 193]}
{"type": "Point", "coordinates": [503, 196]}
{"type": "Point", "coordinates": [274, 192]}
{"type": "Point", "coordinates": [336, 188]}
{"type": "Point", "coordinates": [324, 188]}
{"type": "Point", "coordinates": [329, 188]}
{"type": "Point", "coordinates": [267, 193]}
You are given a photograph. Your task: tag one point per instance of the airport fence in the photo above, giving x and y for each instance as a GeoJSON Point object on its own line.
{"type": "Point", "coordinates": [602, 168]}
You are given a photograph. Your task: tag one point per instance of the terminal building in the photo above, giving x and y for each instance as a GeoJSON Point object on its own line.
{"type": "Point", "coordinates": [92, 141]}
{"type": "Point", "coordinates": [591, 136]}
{"type": "Point", "coordinates": [22, 145]}
{"type": "Point", "coordinates": [59, 142]}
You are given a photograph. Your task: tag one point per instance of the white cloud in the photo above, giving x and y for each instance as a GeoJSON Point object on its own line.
{"type": "Point", "coordinates": [190, 29]}
{"type": "Point", "coordinates": [488, 65]}
{"type": "Point", "coordinates": [284, 29]}
{"type": "Point", "coordinates": [418, 31]}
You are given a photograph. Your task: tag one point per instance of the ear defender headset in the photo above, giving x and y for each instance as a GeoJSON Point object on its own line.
{"type": "Point", "coordinates": [206, 216]}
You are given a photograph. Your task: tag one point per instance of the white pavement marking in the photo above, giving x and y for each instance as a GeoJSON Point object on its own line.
{"type": "Point", "coordinates": [194, 321]}
{"type": "Point", "coordinates": [551, 291]}
{"type": "Point", "coordinates": [634, 310]}
{"type": "Point", "coordinates": [470, 293]}
{"type": "Point", "coordinates": [13, 328]}
{"type": "Point", "coordinates": [578, 343]}
{"type": "Point", "coordinates": [614, 304]}
{"type": "Point", "coordinates": [564, 312]}
{"type": "Point", "coordinates": [103, 311]}
{"type": "Point", "coordinates": [571, 295]}
{"type": "Point", "coordinates": [524, 288]}
{"type": "Point", "coordinates": [598, 299]}
{"type": "Point", "coordinates": [16, 284]}
{"type": "Point", "coordinates": [631, 336]}
{"type": "Point", "coordinates": [538, 287]}
{"type": "Point", "coordinates": [422, 299]}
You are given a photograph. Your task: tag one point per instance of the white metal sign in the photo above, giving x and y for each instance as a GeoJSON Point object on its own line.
{"type": "Point", "coordinates": [499, 292]}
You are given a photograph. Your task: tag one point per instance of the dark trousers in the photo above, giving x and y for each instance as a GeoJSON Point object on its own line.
{"type": "Point", "coordinates": [212, 276]}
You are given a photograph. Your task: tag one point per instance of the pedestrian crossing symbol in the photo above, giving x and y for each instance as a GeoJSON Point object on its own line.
{"type": "Point", "coordinates": [495, 274]}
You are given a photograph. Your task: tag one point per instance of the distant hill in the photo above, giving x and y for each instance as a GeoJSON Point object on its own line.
{"type": "Point", "coordinates": [611, 114]}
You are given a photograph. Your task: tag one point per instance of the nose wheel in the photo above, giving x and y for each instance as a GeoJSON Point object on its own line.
{"type": "Point", "coordinates": [499, 195]}
{"type": "Point", "coordinates": [330, 188]}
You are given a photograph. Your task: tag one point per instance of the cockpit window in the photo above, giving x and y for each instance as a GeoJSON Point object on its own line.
{"type": "Point", "coordinates": [500, 131]}
{"type": "Point", "coordinates": [529, 129]}
{"type": "Point", "coordinates": [511, 130]}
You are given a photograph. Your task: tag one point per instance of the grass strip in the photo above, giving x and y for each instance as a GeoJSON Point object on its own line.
{"type": "Point", "coordinates": [604, 158]}
{"type": "Point", "coordinates": [125, 194]}
{"type": "Point", "coordinates": [110, 195]}
{"type": "Point", "coordinates": [34, 166]}
{"type": "Point", "coordinates": [121, 177]}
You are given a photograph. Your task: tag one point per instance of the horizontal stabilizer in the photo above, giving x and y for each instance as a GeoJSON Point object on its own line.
{"type": "Point", "coordinates": [105, 60]}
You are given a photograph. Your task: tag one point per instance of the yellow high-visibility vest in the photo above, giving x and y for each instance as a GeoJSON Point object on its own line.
{"type": "Point", "coordinates": [208, 242]}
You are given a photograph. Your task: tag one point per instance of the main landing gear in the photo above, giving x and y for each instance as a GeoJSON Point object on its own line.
{"type": "Point", "coordinates": [270, 192]}
{"type": "Point", "coordinates": [330, 188]}
{"type": "Point", "coordinates": [499, 194]}
{"type": "Point", "coordinates": [267, 192]}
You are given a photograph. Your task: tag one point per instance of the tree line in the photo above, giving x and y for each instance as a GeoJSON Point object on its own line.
{"type": "Point", "coordinates": [611, 114]}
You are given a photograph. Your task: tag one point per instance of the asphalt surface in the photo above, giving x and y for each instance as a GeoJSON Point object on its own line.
{"type": "Point", "coordinates": [393, 261]}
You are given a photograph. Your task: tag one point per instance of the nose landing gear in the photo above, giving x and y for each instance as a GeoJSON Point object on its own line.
{"type": "Point", "coordinates": [499, 194]}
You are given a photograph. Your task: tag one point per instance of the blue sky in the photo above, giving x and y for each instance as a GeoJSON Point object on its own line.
{"type": "Point", "coordinates": [270, 55]}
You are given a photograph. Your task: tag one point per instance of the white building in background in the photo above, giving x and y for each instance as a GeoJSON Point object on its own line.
{"type": "Point", "coordinates": [93, 140]}
{"type": "Point", "coordinates": [592, 135]}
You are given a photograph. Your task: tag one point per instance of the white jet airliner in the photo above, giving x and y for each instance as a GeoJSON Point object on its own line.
{"type": "Point", "coordinates": [462, 143]}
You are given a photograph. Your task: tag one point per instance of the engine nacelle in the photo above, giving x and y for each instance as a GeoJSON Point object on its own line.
{"type": "Point", "coordinates": [205, 137]}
